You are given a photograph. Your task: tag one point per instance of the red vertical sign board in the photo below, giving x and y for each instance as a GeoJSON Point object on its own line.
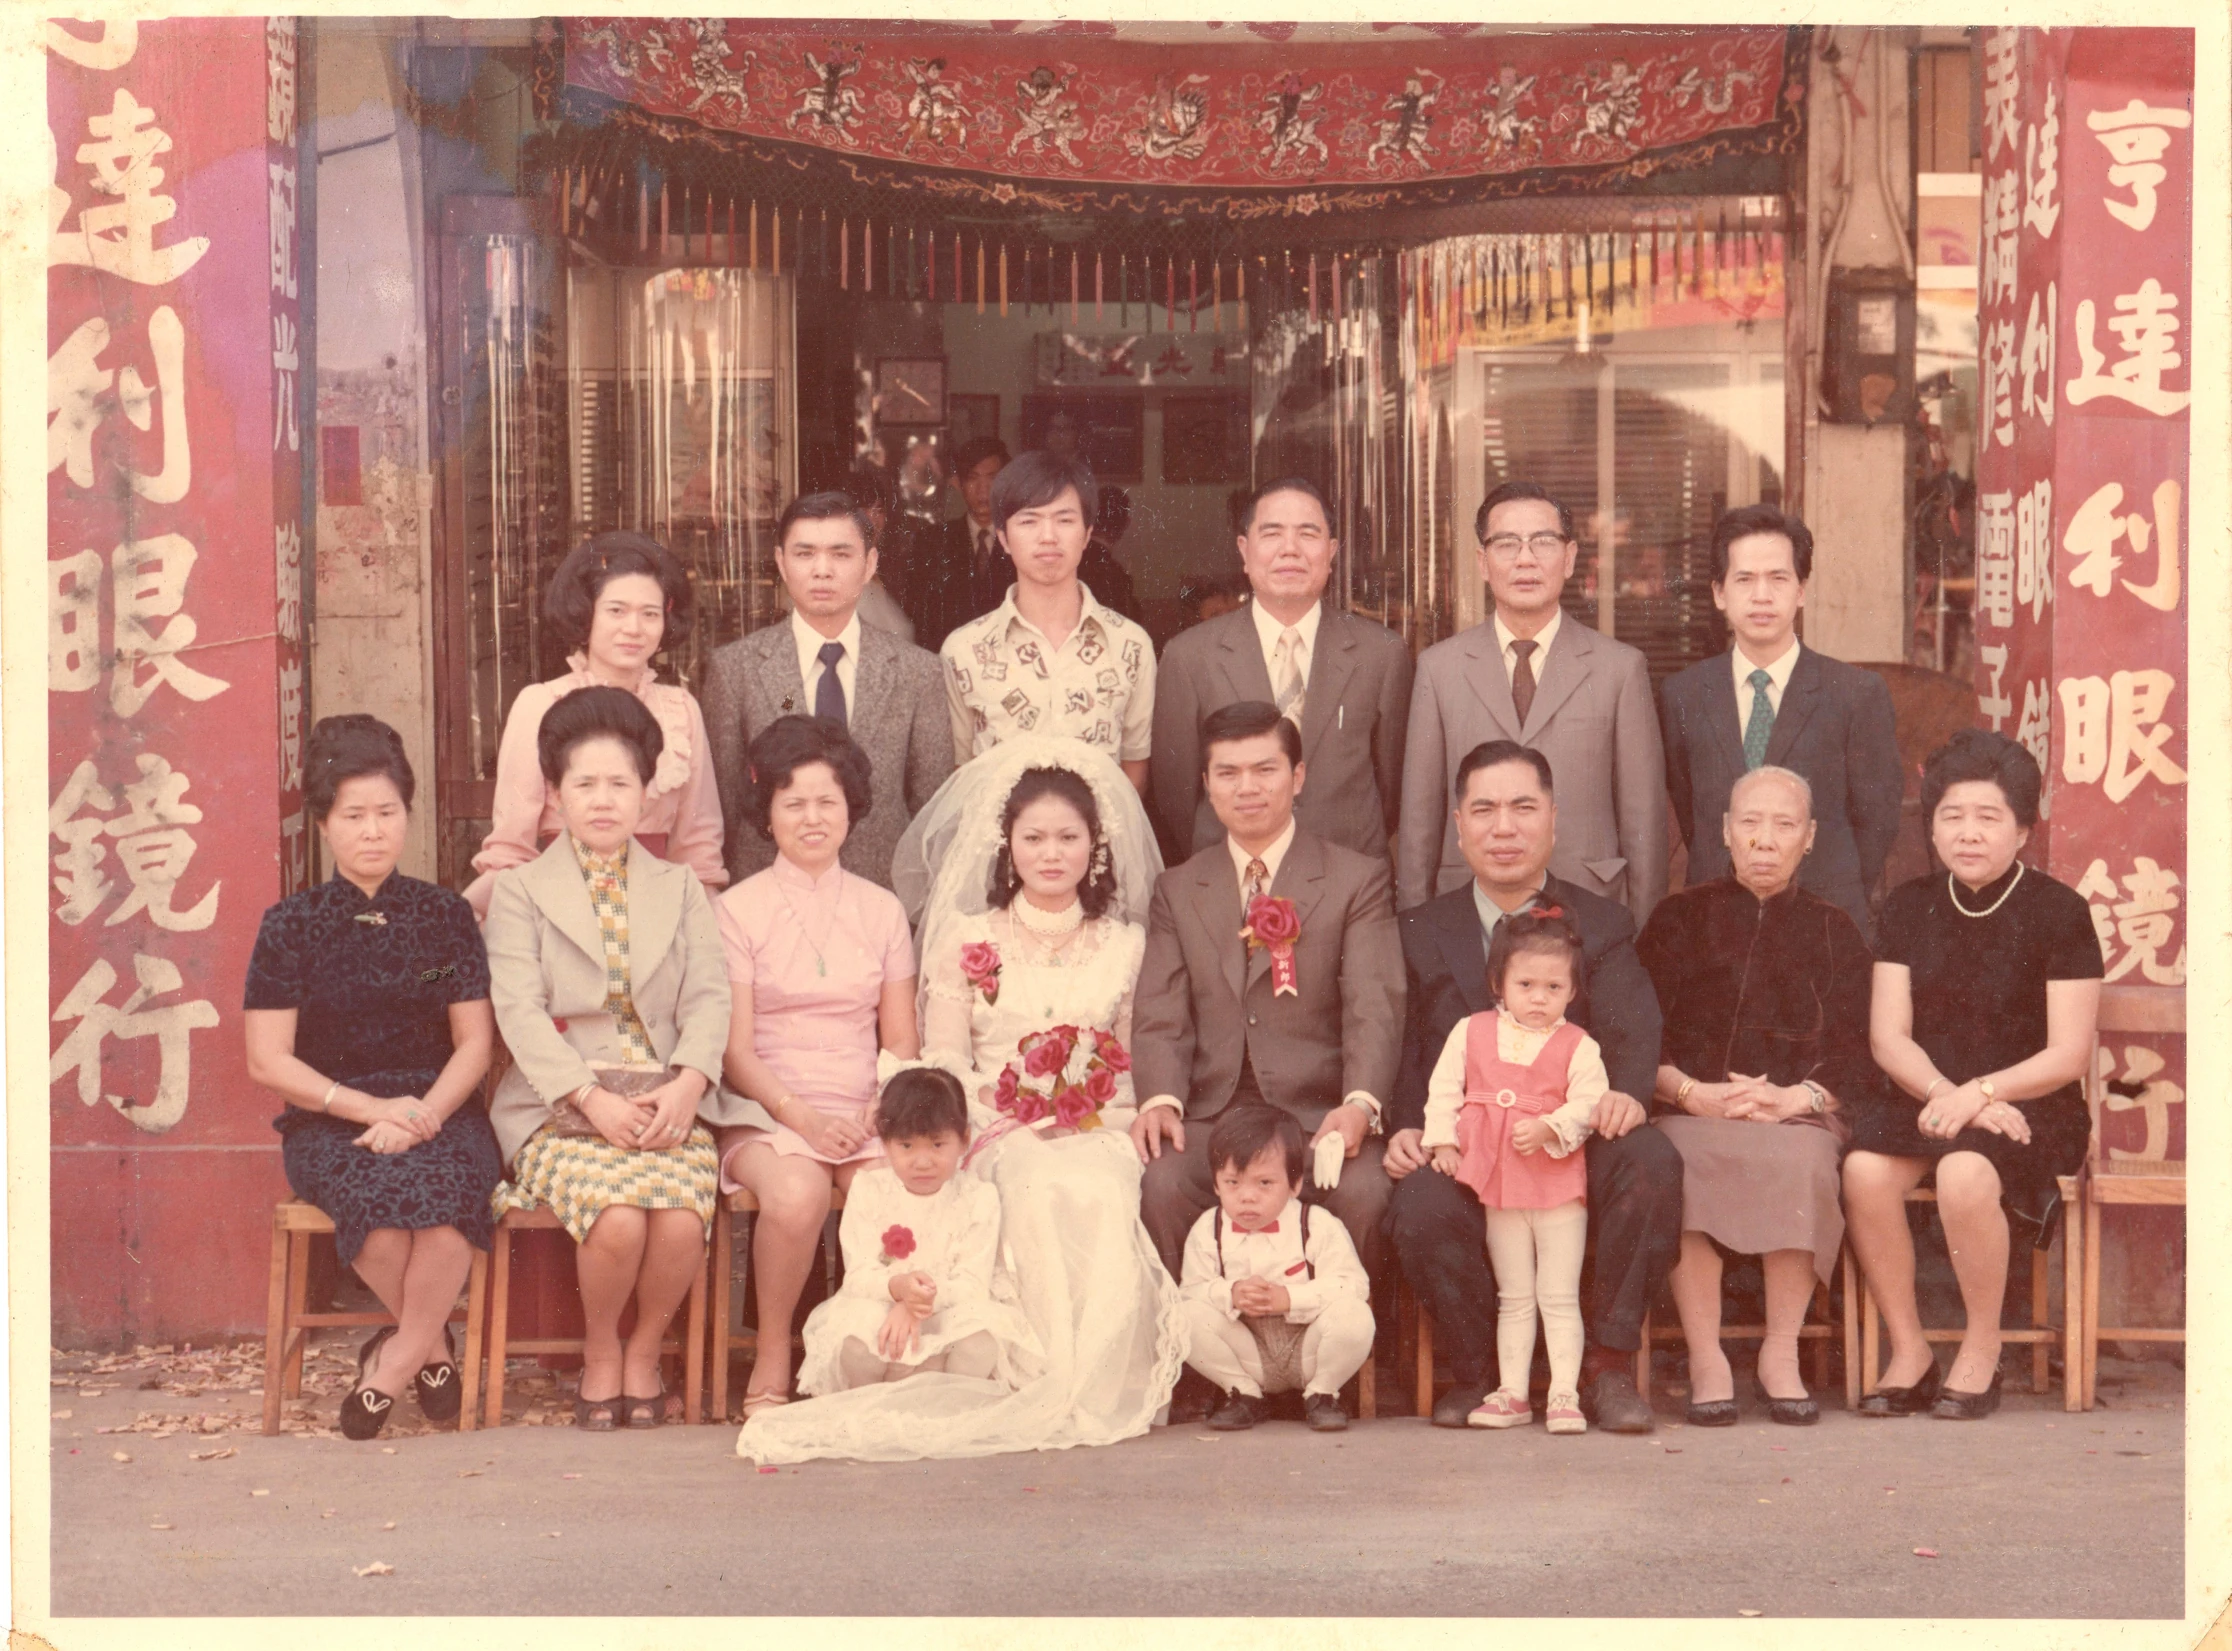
{"type": "Point", "coordinates": [171, 455]}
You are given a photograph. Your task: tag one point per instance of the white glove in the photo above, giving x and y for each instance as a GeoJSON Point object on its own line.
{"type": "Point", "coordinates": [1325, 1173]}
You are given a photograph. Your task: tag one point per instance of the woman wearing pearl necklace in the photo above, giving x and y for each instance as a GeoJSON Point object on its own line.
{"type": "Point", "coordinates": [1987, 986]}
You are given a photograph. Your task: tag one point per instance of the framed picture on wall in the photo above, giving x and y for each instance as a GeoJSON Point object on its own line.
{"type": "Point", "coordinates": [1205, 438]}
{"type": "Point", "coordinates": [970, 417]}
{"type": "Point", "coordinates": [1106, 429]}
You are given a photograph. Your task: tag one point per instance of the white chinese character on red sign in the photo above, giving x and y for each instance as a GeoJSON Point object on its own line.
{"type": "Point", "coordinates": [171, 1026]}
{"type": "Point", "coordinates": [2143, 923]}
{"type": "Point", "coordinates": [2096, 529]}
{"type": "Point", "coordinates": [152, 845]}
{"type": "Point", "coordinates": [290, 725]}
{"type": "Point", "coordinates": [279, 67]}
{"type": "Point", "coordinates": [286, 361]}
{"type": "Point", "coordinates": [2035, 731]}
{"type": "Point", "coordinates": [2034, 548]}
{"type": "Point", "coordinates": [148, 580]}
{"type": "Point", "coordinates": [282, 220]}
{"type": "Point", "coordinates": [2003, 222]}
{"type": "Point", "coordinates": [2113, 732]}
{"type": "Point", "coordinates": [112, 50]}
{"type": "Point", "coordinates": [1993, 704]}
{"type": "Point", "coordinates": [2002, 122]}
{"type": "Point", "coordinates": [78, 398]}
{"type": "Point", "coordinates": [1995, 558]}
{"type": "Point", "coordinates": [119, 240]}
{"type": "Point", "coordinates": [2147, 323]}
{"type": "Point", "coordinates": [287, 548]}
{"type": "Point", "coordinates": [2155, 1096]}
{"type": "Point", "coordinates": [2136, 138]}
{"type": "Point", "coordinates": [1999, 380]}
{"type": "Point", "coordinates": [2042, 169]}
{"type": "Point", "coordinates": [2038, 356]}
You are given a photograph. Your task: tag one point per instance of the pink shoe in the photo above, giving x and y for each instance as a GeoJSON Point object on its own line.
{"type": "Point", "coordinates": [1562, 1414]}
{"type": "Point", "coordinates": [1502, 1408]}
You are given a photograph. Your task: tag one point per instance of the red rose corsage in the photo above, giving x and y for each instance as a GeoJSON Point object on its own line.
{"type": "Point", "coordinates": [980, 967]}
{"type": "Point", "coordinates": [1274, 925]}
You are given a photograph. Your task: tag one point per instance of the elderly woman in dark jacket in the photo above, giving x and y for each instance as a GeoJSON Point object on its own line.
{"type": "Point", "coordinates": [1764, 987]}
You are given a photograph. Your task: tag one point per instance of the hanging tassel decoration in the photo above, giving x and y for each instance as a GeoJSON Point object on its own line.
{"type": "Point", "coordinates": [844, 255]}
{"type": "Point", "coordinates": [643, 213]}
{"type": "Point", "coordinates": [980, 274]}
{"type": "Point", "coordinates": [1003, 278]}
{"type": "Point", "coordinates": [1313, 289]}
{"type": "Point", "coordinates": [867, 255]}
{"type": "Point", "coordinates": [1193, 296]}
{"type": "Point", "coordinates": [1170, 293]}
{"type": "Point", "coordinates": [1073, 286]}
{"type": "Point", "coordinates": [930, 265]}
{"type": "Point", "coordinates": [1216, 294]}
{"type": "Point", "coordinates": [957, 266]}
{"type": "Point", "coordinates": [1099, 273]}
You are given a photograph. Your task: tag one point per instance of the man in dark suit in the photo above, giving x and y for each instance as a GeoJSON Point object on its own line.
{"type": "Point", "coordinates": [822, 661]}
{"type": "Point", "coordinates": [1344, 681]}
{"type": "Point", "coordinates": [1770, 701]}
{"type": "Point", "coordinates": [960, 571]}
{"type": "Point", "coordinates": [1217, 1019]}
{"type": "Point", "coordinates": [1506, 823]}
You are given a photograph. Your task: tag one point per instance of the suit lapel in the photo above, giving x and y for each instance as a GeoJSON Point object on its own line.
{"type": "Point", "coordinates": [654, 909]}
{"type": "Point", "coordinates": [1800, 694]}
{"type": "Point", "coordinates": [1301, 879]}
{"type": "Point", "coordinates": [1240, 657]}
{"type": "Point", "coordinates": [778, 668]}
{"type": "Point", "coordinates": [1566, 669]}
{"type": "Point", "coordinates": [1484, 670]}
{"type": "Point", "coordinates": [1218, 906]}
{"type": "Point", "coordinates": [554, 879]}
{"type": "Point", "coordinates": [1721, 712]}
{"type": "Point", "coordinates": [1464, 947]}
{"type": "Point", "coordinates": [871, 699]}
{"type": "Point", "coordinates": [1331, 665]}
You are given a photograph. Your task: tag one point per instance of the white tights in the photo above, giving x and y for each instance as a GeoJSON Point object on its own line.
{"type": "Point", "coordinates": [1537, 1257]}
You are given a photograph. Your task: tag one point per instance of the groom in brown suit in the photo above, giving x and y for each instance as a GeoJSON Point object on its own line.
{"type": "Point", "coordinates": [1210, 1026]}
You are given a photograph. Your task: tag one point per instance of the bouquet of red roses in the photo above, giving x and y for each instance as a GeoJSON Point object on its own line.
{"type": "Point", "coordinates": [1064, 1074]}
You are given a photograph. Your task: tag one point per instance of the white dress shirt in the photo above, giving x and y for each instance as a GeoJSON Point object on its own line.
{"type": "Point", "coordinates": [810, 667]}
{"type": "Point", "coordinates": [1542, 640]}
{"type": "Point", "coordinates": [1778, 678]}
{"type": "Point", "coordinates": [1278, 1257]}
{"type": "Point", "coordinates": [1268, 632]}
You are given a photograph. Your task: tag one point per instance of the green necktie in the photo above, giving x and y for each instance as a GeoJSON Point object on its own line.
{"type": "Point", "coordinates": [1762, 724]}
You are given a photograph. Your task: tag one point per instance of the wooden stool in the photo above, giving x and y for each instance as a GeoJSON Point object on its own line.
{"type": "Point", "coordinates": [2040, 1335]}
{"type": "Point", "coordinates": [690, 1347]}
{"type": "Point", "coordinates": [719, 1256]}
{"type": "Point", "coordinates": [287, 1323]}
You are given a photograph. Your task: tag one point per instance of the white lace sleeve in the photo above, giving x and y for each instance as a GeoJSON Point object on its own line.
{"type": "Point", "coordinates": [1127, 947]}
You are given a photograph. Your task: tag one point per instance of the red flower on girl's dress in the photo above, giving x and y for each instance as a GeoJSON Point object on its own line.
{"type": "Point", "coordinates": [898, 1243]}
{"type": "Point", "coordinates": [980, 967]}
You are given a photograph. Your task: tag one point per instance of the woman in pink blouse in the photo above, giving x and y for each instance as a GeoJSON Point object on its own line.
{"type": "Point", "coordinates": [823, 973]}
{"type": "Point", "coordinates": [615, 602]}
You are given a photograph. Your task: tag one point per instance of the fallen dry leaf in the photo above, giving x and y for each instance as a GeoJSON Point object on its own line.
{"type": "Point", "coordinates": [328, 1514]}
{"type": "Point", "coordinates": [1747, 1613]}
{"type": "Point", "coordinates": [61, 1415]}
{"type": "Point", "coordinates": [387, 1450]}
{"type": "Point", "coordinates": [376, 1568]}
{"type": "Point", "coordinates": [553, 1533]}
{"type": "Point", "coordinates": [1925, 1553]}
{"type": "Point", "coordinates": [389, 1526]}
{"type": "Point", "coordinates": [259, 1493]}
{"type": "Point", "coordinates": [211, 1455]}
{"type": "Point", "coordinates": [120, 1456]}
{"type": "Point", "coordinates": [161, 1527]}
{"type": "Point", "coordinates": [468, 1473]}
{"type": "Point", "coordinates": [763, 1470]}
{"type": "Point", "coordinates": [91, 1392]}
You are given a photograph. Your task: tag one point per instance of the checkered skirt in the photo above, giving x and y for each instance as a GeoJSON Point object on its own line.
{"type": "Point", "coordinates": [581, 1176]}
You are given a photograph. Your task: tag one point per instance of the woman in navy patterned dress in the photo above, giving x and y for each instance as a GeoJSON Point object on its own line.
{"type": "Point", "coordinates": [367, 1010]}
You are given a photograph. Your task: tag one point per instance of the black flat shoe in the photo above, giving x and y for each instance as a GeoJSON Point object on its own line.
{"type": "Point", "coordinates": [1789, 1412]}
{"type": "Point", "coordinates": [440, 1395]}
{"type": "Point", "coordinates": [1714, 1413]}
{"type": "Point", "coordinates": [1324, 1413]}
{"type": "Point", "coordinates": [1193, 1398]}
{"type": "Point", "coordinates": [1239, 1412]}
{"type": "Point", "coordinates": [1955, 1406]}
{"type": "Point", "coordinates": [366, 1410]}
{"type": "Point", "coordinates": [1905, 1401]}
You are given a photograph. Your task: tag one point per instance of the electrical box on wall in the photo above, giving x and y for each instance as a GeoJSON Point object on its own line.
{"type": "Point", "coordinates": [1868, 367]}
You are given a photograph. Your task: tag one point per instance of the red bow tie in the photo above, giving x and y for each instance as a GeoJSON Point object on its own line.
{"type": "Point", "coordinates": [1257, 1232]}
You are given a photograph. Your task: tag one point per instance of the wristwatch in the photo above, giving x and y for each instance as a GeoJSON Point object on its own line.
{"type": "Point", "coordinates": [1818, 1095]}
{"type": "Point", "coordinates": [1986, 1088]}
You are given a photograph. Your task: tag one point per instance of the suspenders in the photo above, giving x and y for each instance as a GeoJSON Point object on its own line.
{"type": "Point", "coordinates": [1216, 1231]}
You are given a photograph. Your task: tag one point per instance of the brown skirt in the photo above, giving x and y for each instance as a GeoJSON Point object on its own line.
{"type": "Point", "coordinates": [1760, 1187]}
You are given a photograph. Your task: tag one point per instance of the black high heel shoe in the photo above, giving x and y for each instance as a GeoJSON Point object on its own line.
{"type": "Point", "coordinates": [366, 1410]}
{"type": "Point", "coordinates": [1712, 1413]}
{"type": "Point", "coordinates": [1953, 1405]}
{"type": "Point", "coordinates": [1905, 1401]}
{"type": "Point", "coordinates": [1789, 1412]}
{"type": "Point", "coordinates": [440, 1397]}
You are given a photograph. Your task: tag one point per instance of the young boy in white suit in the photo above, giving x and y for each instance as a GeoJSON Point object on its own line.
{"type": "Point", "coordinates": [1274, 1296]}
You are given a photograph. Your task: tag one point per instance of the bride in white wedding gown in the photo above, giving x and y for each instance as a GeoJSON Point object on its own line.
{"type": "Point", "coordinates": [1032, 867]}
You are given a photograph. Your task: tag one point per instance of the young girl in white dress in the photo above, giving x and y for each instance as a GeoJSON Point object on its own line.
{"type": "Point", "coordinates": [920, 1245]}
{"type": "Point", "coordinates": [1031, 867]}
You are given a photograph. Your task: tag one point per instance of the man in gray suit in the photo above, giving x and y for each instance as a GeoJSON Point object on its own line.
{"type": "Point", "coordinates": [1772, 701]}
{"type": "Point", "coordinates": [1218, 1019]}
{"type": "Point", "coordinates": [1535, 675]}
{"type": "Point", "coordinates": [1344, 681]}
{"type": "Point", "coordinates": [822, 661]}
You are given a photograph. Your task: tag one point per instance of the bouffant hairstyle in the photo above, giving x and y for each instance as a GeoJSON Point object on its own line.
{"type": "Point", "coordinates": [1097, 893]}
{"type": "Point", "coordinates": [1244, 719]}
{"type": "Point", "coordinates": [347, 748]}
{"type": "Point", "coordinates": [1243, 1132]}
{"type": "Point", "coordinates": [1512, 493]}
{"type": "Point", "coordinates": [594, 564]}
{"type": "Point", "coordinates": [788, 744]}
{"type": "Point", "coordinates": [1980, 754]}
{"type": "Point", "coordinates": [1036, 479]}
{"type": "Point", "coordinates": [922, 1100]}
{"type": "Point", "coordinates": [1761, 518]}
{"type": "Point", "coordinates": [593, 714]}
{"type": "Point", "coordinates": [1545, 930]}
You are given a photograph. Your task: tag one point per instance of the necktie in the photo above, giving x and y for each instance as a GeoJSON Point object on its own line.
{"type": "Point", "coordinates": [1253, 884]}
{"type": "Point", "coordinates": [1288, 688]}
{"type": "Point", "coordinates": [1523, 679]}
{"type": "Point", "coordinates": [1761, 727]}
{"type": "Point", "coordinates": [984, 550]}
{"type": "Point", "coordinates": [829, 693]}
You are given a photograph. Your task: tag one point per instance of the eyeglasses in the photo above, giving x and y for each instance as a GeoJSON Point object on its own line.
{"type": "Point", "coordinates": [1505, 547]}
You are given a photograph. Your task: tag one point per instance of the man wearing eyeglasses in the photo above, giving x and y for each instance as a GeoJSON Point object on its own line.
{"type": "Point", "coordinates": [1533, 674]}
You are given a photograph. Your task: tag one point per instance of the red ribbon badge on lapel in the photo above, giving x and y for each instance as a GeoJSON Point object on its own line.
{"type": "Point", "coordinates": [1273, 924]}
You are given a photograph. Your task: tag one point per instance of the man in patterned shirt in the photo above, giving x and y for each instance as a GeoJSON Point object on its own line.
{"type": "Point", "coordinates": [1050, 659]}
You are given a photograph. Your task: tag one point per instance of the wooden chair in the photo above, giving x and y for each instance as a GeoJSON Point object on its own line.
{"type": "Point", "coordinates": [1822, 1333]}
{"type": "Point", "coordinates": [689, 1347]}
{"type": "Point", "coordinates": [721, 1258]}
{"type": "Point", "coordinates": [288, 1323]}
{"type": "Point", "coordinates": [2126, 1181]}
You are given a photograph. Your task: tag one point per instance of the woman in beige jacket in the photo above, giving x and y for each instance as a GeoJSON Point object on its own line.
{"type": "Point", "coordinates": [612, 994]}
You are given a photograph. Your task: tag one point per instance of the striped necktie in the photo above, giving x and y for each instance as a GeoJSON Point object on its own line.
{"type": "Point", "coordinates": [1289, 659]}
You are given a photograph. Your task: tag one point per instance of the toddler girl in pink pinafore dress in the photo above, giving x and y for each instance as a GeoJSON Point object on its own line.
{"type": "Point", "coordinates": [1507, 1109]}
